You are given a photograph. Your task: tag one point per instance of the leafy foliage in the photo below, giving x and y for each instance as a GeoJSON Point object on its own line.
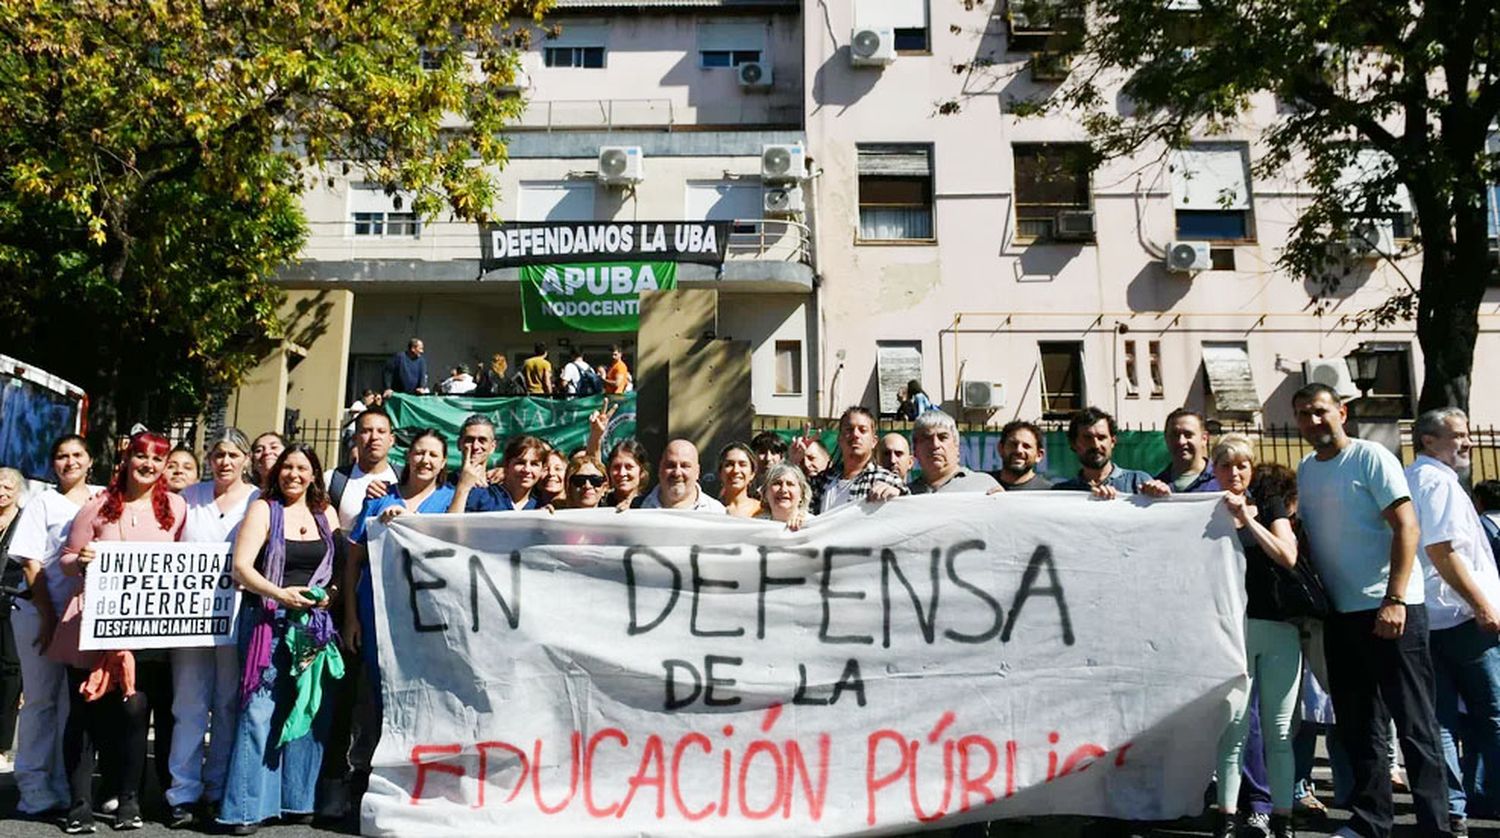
{"type": "Point", "coordinates": [1418, 83]}
{"type": "Point", "coordinates": [152, 155]}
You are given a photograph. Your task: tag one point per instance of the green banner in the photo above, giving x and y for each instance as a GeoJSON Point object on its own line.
{"type": "Point", "coordinates": [562, 422]}
{"type": "Point", "coordinates": [590, 297]}
{"type": "Point", "coordinates": [1144, 450]}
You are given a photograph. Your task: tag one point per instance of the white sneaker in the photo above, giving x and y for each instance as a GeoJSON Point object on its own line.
{"type": "Point", "coordinates": [109, 806]}
{"type": "Point", "coordinates": [1256, 824]}
{"type": "Point", "coordinates": [6, 766]}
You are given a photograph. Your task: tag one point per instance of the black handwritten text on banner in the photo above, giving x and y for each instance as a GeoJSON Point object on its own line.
{"type": "Point", "coordinates": [141, 595]}
{"type": "Point", "coordinates": [935, 658]}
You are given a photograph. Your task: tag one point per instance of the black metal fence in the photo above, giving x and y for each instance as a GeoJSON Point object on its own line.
{"type": "Point", "coordinates": [326, 438]}
{"type": "Point", "coordinates": [1274, 443]}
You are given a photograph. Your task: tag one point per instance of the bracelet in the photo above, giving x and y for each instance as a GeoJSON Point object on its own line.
{"type": "Point", "coordinates": [1393, 599]}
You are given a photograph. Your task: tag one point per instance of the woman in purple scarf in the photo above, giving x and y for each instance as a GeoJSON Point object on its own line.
{"type": "Point", "coordinates": [286, 556]}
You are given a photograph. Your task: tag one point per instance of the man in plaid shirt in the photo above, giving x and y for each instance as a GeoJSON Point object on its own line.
{"type": "Point", "coordinates": [857, 478]}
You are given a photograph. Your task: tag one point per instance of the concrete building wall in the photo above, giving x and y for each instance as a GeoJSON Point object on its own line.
{"type": "Point", "coordinates": [978, 300]}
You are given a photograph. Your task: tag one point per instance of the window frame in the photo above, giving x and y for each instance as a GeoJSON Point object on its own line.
{"type": "Point", "coordinates": [578, 52]}
{"type": "Point", "coordinates": [1074, 348]}
{"type": "Point", "coordinates": [734, 57]}
{"type": "Point", "coordinates": [385, 222]}
{"type": "Point", "coordinates": [1053, 208]}
{"type": "Point", "coordinates": [927, 183]}
{"type": "Point", "coordinates": [798, 379]}
{"type": "Point", "coordinates": [1247, 232]}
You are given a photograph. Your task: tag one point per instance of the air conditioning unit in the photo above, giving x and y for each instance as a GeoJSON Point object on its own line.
{"type": "Point", "coordinates": [754, 75]}
{"type": "Point", "coordinates": [621, 165]}
{"type": "Point", "coordinates": [1051, 66]}
{"type": "Point", "coordinates": [1371, 238]}
{"type": "Point", "coordinates": [1333, 372]}
{"type": "Point", "coordinates": [1188, 257]}
{"type": "Point", "coordinates": [872, 46]}
{"type": "Point", "coordinates": [783, 163]}
{"type": "Point", "coordinates": [1074, 225]}
{"type": "Point", "coordinates": [982, 395]}
{"type": "Point", "coordinates": [780, 201]}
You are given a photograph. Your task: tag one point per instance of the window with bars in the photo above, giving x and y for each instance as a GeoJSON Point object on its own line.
{"type": "Point", "coordinates": [895, 193]}
{"type": "Point", "coordinates": [1062, 378]}
{"type": "Point", "coordinates": [1050, 178]}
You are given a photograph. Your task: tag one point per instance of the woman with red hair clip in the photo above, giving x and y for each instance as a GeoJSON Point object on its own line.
{"type": "Point", "coordinates": [105, 710]}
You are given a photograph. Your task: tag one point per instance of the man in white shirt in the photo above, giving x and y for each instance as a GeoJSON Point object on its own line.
{"type": "Point", "coordinates": [348, 485]}
{"type": "Point", "coordinates": [573, 372]}
{"type": "Point", "coordinates": [677, 485]}
{"type": "Point", "coordinates": [1463, 598]}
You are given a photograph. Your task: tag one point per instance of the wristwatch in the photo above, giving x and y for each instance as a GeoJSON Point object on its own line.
{"type": "Point", "coordinates": [1393, 599]}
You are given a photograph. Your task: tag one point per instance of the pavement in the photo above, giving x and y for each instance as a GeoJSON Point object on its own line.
{"type": "Point", "coordinates": [12, 826]}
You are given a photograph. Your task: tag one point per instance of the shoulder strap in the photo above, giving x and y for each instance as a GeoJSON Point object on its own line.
{"type": "Point", "coordinates": [338, 483]}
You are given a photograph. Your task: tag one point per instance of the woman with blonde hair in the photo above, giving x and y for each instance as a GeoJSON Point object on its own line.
{"type": "Point", "coordinates": [1273, 649]}
{"type": "Point", "coordinates": [585, 484]}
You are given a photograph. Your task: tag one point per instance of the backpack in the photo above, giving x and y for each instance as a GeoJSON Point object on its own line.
{"type": "Point", "coordinates": [589, 382]}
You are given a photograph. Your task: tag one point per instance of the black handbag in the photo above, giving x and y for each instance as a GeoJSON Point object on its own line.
{"type": "Point", "coordinates": [1298, 592]}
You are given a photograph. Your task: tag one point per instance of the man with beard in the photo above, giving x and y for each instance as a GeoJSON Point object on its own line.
{"type": "Point", "coordinates": [936, 442]}
{"type": "Point", "coordinates": [858, 477]}
{"type": "Point", "coordinates": [1092, 434]}
{"type": "Point", "coordinates": [894, 454]}
{"type": "Point", "coordinates": [1462, 589]}
{"type": "Point", "coordinates": [1356, 509]}
{"type": "Point", "coordinates": [677, 482]}
{"type": "Point", "coordinates": [1187, 441]}
{"type": "Point", "coordinates": [1021, 449]}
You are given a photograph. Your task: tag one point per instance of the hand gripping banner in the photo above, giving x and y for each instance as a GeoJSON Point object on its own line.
{"type": "Point", "coordinates": [939, 658]}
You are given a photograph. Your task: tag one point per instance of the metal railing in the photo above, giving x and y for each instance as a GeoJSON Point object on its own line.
{"type": "Point", "coordinates": [749, 238]}
{"type": "Point", "coordinates": [598, 113]}
{"type": "Point", "coordinates": [785, 241]}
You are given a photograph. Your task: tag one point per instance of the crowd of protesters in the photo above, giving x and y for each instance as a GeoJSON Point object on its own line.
{"type": "Point", "coordinates": [1397, 566]}
{"type": "Point", "coordinates": [406, 372]}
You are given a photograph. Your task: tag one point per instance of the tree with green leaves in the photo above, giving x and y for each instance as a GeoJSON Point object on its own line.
{"type": "Point", "coordinates": [152, 155]}
{"type": "Point", "coordinates": [1404, 94]}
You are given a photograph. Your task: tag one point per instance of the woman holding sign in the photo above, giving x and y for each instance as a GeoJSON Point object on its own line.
{"type": "Point", "coordinates": [205, 681]}
{"type": "Point", "coordinates": [286, 555]}
{"type": "Point", "coordinates": [423, 490]}
{"type": "Point", "coordinates": [786, 497]}
{"type": "Point", "coordinates": [1273, 648]}
{"type": "Point", "coordinates": [136, 506]}
{"type": "Point", "coordinates": [40, 532]}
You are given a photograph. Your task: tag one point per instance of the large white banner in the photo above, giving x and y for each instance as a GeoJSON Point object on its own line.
{"type": "Point", "coordinates": [953, 658]}
{"type": "Point", "coordinates": [151, 595]}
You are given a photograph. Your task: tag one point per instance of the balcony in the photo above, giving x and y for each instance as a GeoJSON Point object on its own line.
{"type": "Point", "coordinates": [658, 114]}
{"type": "Point", "coordinates": [762, 256]}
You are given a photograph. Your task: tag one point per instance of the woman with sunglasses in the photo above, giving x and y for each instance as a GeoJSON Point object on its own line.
{"type": "Point", "coordinates": [586, 483]}
{"type": "Point", "coordinates": [137, 506]}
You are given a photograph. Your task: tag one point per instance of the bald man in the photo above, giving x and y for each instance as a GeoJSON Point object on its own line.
{"type": "Point", "coordinates": [894, 454]}
{"type": "Point", "coordinates": [677, 481]}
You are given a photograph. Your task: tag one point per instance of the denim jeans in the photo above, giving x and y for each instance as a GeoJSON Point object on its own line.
{"type": "Point", "coordinates": [205, 700]}
{"type": "Point", "coordinates": [267, 780]}
{"type": "Point", "coordinates": [1466, 661]}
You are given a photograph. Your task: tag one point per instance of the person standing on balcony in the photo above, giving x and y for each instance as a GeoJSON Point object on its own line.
{"type": "Point", "coordinates": [617, 379]}
{"type": "Point", "coordinates": [406, 372]}
{"type": "Point", "coordinates": [537, 372]}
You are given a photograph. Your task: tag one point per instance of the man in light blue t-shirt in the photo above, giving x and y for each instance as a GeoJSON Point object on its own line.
{"type": "Point", "coordinates": [1362, 532]}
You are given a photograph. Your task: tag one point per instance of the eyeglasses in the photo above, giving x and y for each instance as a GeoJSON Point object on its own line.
{"type": "Point", "coordinates": [578, 481]}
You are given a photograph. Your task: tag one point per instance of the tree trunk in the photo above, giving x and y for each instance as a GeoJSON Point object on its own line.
{"type": "Point", "coordinates": [1454, 275]}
